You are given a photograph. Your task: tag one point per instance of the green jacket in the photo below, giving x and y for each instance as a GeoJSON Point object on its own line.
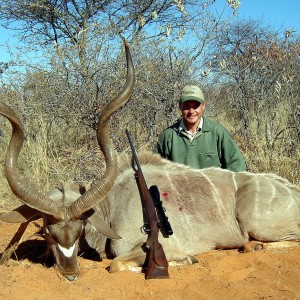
{"type": "Point", "coordinates": [212, 146]}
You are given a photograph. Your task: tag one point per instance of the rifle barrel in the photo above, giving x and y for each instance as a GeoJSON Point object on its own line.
{"type": "Point", "coordinates": [133, 150]}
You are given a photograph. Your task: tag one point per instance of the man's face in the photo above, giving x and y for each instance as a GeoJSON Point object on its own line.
{"type": "Point", "coordinates": [191, 111]}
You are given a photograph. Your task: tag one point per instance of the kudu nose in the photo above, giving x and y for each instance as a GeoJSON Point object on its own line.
{"type": "Point", "coordinates": [71, 277]}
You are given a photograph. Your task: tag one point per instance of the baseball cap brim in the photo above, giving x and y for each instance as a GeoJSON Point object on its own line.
{"type": "Point", "coordinates": [186, 98]}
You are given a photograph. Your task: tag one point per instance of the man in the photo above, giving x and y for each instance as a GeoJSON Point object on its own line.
{"type": "Point", "coordinates": [197, 141]}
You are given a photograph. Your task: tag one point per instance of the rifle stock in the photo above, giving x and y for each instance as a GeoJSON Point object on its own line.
{"type": "Point", "coordinates": [156, 263]}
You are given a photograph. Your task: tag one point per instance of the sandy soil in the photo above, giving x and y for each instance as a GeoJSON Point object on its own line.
{"type": "Point", "coordinates": [227, 274]}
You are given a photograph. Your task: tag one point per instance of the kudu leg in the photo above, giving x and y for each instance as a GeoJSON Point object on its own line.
{"type": "Point", "coordinates": [131, 260]}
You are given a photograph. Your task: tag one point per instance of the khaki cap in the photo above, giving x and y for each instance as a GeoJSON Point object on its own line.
{"type": "Point", "coordinates": [191, 92]}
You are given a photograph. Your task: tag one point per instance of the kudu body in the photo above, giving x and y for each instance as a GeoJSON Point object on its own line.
{"type": "Point", "coordinates": [208, 209]}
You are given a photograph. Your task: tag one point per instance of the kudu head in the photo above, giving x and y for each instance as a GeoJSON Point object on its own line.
{"type": "Point", "coordinates": [65, 212]}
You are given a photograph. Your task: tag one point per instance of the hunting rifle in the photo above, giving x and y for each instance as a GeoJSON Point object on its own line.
{"type": "Point", "coordinates": [156, 264]}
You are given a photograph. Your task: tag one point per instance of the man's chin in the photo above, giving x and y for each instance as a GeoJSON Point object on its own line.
{"type": "Point", "coordinates": [192, 121]}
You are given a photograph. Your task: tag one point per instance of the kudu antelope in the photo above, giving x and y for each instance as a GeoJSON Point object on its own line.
{"type": "Point", "coordinates": [208, 209]}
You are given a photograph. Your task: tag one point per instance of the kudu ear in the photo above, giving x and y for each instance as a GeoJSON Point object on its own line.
{"type": "Point", "coordinates": [20, 214]}
{"type": "Point", "coordinates": [101, 226]}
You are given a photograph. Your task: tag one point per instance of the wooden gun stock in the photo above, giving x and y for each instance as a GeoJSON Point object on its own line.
{"type": "Point", "coordinates": [156, 263]}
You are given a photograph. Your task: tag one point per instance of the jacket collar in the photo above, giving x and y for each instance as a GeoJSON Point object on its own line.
{"type": "Point", "coordinates": [183, 127]}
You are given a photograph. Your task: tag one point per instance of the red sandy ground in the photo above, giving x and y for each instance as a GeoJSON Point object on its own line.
{"type": "Point", "coordinates": [227, 274]}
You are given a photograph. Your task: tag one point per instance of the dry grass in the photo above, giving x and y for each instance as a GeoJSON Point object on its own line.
{"type": "Point", "coordinates": [273, 146]}
{"type": "Point", "coordinates": [70, 152]}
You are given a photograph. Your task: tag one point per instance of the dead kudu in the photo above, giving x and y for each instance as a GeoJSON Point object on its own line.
{"type": "Point", "coordinates": [208, 209]}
